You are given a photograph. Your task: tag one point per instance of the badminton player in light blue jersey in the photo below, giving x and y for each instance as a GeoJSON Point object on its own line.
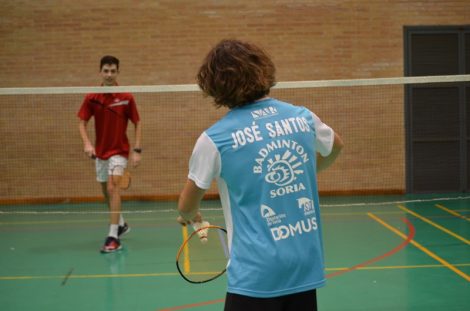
{"type": "Point", "coordinates": [264, 155]}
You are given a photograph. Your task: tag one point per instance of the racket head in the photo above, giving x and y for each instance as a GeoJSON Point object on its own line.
{"type": "Point", "coordinates": [121, 177]}
{"type": "Point", "coordinates": [200, 261]}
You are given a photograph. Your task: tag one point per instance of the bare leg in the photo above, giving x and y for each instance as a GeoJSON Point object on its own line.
{"type": "Point", "coordinates": [104, 189]}
{"type": "Point", "coordinates": [114, 199]}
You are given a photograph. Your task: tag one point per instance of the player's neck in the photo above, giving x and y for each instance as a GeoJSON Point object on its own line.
{"type": "Point", "coordinates": [110, 84]}
{"type": "Point", "coordinates": [262, 98]}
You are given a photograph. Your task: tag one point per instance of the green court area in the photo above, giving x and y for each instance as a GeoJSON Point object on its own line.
{"type": "Point", "coordinates": [382, 253]}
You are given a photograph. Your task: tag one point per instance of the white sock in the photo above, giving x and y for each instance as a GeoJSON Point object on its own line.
{"type": "Point", "coordinates": [113, 231]}
{"type": "Point", "coordinates": [121, 220]}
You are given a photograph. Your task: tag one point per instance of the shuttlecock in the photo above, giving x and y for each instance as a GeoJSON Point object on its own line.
{"type": "Point", "coordinates": [200, 228]}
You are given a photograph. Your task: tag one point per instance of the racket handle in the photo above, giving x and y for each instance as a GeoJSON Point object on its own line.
{"type": "Point", "coordinates": [203, 232]}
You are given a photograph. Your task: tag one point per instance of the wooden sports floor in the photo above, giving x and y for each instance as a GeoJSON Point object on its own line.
{"type": "Point", "coordinates": [382, 253]}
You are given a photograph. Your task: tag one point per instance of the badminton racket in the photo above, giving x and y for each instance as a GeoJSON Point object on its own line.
{"type": "Point", "coordinates": [203, 255]}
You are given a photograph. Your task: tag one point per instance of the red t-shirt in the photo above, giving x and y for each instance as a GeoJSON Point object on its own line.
{"type": "Point", "coordinates": [111, 112]}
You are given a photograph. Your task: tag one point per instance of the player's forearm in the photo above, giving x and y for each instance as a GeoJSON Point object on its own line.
{"type": "Point", "coordinates": [190, 200]}
{"type": "Point", "coordinates": [138, 135]}
{"type": "Point", "coordinates": [324, 162]}
{"type": "Point", "coordinates": [84, 133]}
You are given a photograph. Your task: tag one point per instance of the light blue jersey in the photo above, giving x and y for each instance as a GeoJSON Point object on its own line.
{"type": "Point", "coordinates": [263, 156]}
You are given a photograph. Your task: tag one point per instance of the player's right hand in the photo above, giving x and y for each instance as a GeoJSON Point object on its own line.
{"type": "Point", "coordinates": [89, 150]}
{"type": "Point", "coordinates": [184, 222]}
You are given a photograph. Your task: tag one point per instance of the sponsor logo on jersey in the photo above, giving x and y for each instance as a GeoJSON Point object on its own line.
{"type": "Point", "coordinates": [282, 162]}
{"type": "Point", "coordinates": [283, 232]}
{"type": "Point", "coordinates": [307, 205]}
{"type": "Point", "coordinates": [280, 230]}
{"type": "Point", "coordinates": [283, 169]}
{"type": "Point", "coordinates": [264, 113]}
{"type": "Point", "coordinates": [119, 103]}
{"type": "Point", "coordinates": [270, 216]}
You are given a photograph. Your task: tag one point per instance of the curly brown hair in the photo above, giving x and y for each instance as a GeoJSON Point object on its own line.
{"type": "Point", "coordinates": [236, 73]}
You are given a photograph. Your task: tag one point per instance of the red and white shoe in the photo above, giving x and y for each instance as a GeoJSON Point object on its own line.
{"type": "Point", "coordinates": [111, 245]}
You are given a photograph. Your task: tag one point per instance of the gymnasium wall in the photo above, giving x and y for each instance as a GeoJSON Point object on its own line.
{"type": "Point", "coordinates": [59, 43]}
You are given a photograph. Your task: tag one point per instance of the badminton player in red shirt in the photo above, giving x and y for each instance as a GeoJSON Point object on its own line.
{"type": "Point", "coordinates": [111, 111]}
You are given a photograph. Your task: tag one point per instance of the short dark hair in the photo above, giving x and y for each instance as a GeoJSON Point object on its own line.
{"type": "Point", "coordinates": [109, 60]}
{"type": "Point", "coordinates": [236, 73]}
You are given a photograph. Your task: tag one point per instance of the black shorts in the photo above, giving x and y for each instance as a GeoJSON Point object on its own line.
{"type": "Point", "coordinates": [304, 301]}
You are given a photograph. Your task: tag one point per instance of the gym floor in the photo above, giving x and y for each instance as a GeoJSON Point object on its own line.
{"type": "Point", "coordinates": [382, 253]}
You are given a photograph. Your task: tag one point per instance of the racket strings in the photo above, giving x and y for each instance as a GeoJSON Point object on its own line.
{"type": "Point", "coordinates": [200, 262]}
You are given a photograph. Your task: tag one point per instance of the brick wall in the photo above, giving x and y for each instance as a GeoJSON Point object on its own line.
{"type": "Point", "coordinates": [59, 43]}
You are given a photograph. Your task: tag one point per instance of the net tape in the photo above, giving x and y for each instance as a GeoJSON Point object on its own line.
{"type": "Point", "coordinates": [194, 87]}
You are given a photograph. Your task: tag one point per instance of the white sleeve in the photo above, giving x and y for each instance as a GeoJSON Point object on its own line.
{"type": "Point", "coordinates": [325, 136]}
{"type": "Point", "coordinates": [204, 164]}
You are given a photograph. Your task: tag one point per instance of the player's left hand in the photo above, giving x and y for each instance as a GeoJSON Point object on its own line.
{"type": "Point", "coordinates": [135, 159]}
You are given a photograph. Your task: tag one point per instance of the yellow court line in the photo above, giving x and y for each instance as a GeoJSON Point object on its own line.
{"type": "Point", "coordinates": [421, 247]}
{"type": "Point", "coordinates": [361, 213]}
{"type": "Point", "coordinates": [411, 267]}
{"type": "Point", "coordinates": [150, 219]}
{"type": "Point", "coordinates": [186, 264]}
{"type": "Point", "coordinates": [452, 212]}
{"type": "Point", "coordinates": [51, 222]}
{"type": "Point", "coordinates": [86, 276]}
{"type": "Point", "coordinates": [164, 274]}
{"type": "Point", "coordinates": [435, 225]}
{"type": "Point", "coordinates": [80, 221]}
{"type": "Point", "coordinates": [399, 267]}
{"type": "Point", "coordinates": [76, 221]}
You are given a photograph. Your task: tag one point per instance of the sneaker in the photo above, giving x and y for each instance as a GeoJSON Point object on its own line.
{"type": "Point", "coordinates": [111, 245]}
{"type": "Point", "coordinates": [123, 229]}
